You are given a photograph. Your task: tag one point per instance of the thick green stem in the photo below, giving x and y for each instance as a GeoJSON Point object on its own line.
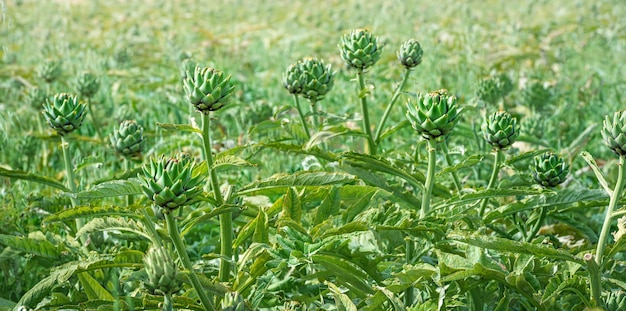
{"type": "Point", "coordinates": [69, 170]}
{"type": "Point", "coordinates": [409, 294]}
{"type": "Point", "coordinates": [226, 223]}
{"type": "Point", "coordinates": [94, 119]}
{"type": "Point", "coordinates": [366, 117]}
{"type": "Point", "coordinates": [156, 239]}
{"type": "Point", "coordinates": [446, 152]}
{"type": "Point", "coordinates": [128, 166]}
{"type": "Point", "coordinates": [167, 303]}
{"type": "Point", "coordinates": [430, 179]}
{"type": "Point", "coordinates": [184, 258]}
{"type": "Point", "coordinates": [302, 118]}
{"type": "Point", "coordinates": [606, 226]}
{"type": "Point", "coordinates": [394, 98]}
{"type": "Point", "coordinates": [537, 225]}
{"type": "Point", "coordinates": [595, 283]}
{"type": "Point", "coordinates": [497, 158]}
{"type": "Point", "coordinates": [316, 121]}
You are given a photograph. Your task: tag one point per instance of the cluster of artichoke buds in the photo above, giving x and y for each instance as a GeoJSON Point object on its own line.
{"type": "Point", "coordinates": [87, 84]}
{"type": "Point", "coordinates": [50, 70]}
{"type": "Point", "coordinates": [434, 114]}
{"type": "Point", "coordinates": [500, 130]}
{"type": "Point", "coordinates": [233, 301]}
{"type": "Point", "coordinates": [614, 133]}
{"type": "Point", "coordinates": [360, 49]}
{"type": "Point", "coordinates": [64, 113]}
{"type": "Point", "coordinates": [310, 78]}
{"type": "Point", "coordinates": [127, 140]}
{"type": "Point", "coordinates": [549, 170]}
{"type": "Point", "coordinates": [208, 89]}
{"type": "Point", "coordinates": [161, 270]}
{"type": "Point", "coordinates": [169, 182]}
{"type": "Point", "coordinates": [410, 53]}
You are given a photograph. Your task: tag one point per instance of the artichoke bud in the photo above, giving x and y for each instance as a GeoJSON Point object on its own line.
{"type": "Point", "coordinates": [187, 66]}
{"type": "Point", "coordinates": [208, 89]}
{"type": "Point", "coordinates": [410, 53]}
{"type": "Point", "coordinates": [127, 140]}
{"type": "Point", "coordinates": [614, 133]}
{"type": "Point", "coordinates": [36, 97]}
{"type": "Point", "coordinates": [317, 78]}
{"type": "Point", "coordinates": [87, 84]}
{"type": "Point", "coordinates": [360, 49]}
{"type": "Point", "coordinates": [491, 89]}
{"type": "Point", "coordinates": [170, 183]}
{"type": "Point", "coordinates": [538, 95]}
{"type": "Point", "coordinates": [294, 79]}
{"type": "Point", "coordinates": [434, 114]}
{"type": "Point", "coordinates": [64, 113]}
{"type": "Point", "coordinates": [549, 170]}
{"type": "Point", "coordinates": [50, 71]}
{"type": "Point", "coordinates": [161, 270]}
{"type": "Point", "coordinates": [233, 301]}
{"type": "Point", "coordinates": [533, 126]}
{"type": "Point", "coordinates": [500, 130]}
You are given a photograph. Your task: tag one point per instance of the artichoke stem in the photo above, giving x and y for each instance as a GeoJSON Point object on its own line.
{"type": "Point", "coordinates": [613, 201]}
{"type": "Point", "coordinates": [302, 119]}
{"type": "Point", "coordinates": [446, 152]}
{"type": "Point", "coordinates": [537, 226]}
{"type": "Point", "coordinates": [430, 179]}
{"type": "Point", "coordinates": [156, 239]}
{"type": "Point", "coordinates": [409, 245]}
{"type": "Point", "coordinates": [595, 274]}
{"type": "Point", "coordinates": [128, 166]}
{"type": "Point", "coordinates": [316, 121]}
{"type": "Point", "coordinates": [69, 169]}
{"type": "Point", "coordinates": [497, 158]}
{"type": "Point", "coordinates": [94, 119]}
{"type": "Point", "coordinates": [371, 145]}
{"type": "Point", "coordinates": [172, 227]}
{"type": "Point", "coordinates": [167, 302]}
{"type": "Point", "coordinates": [394, 98]}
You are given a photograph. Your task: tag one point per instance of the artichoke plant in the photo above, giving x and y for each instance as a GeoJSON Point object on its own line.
{"type": "Point", "coordinates": [538, 95]}
{"type": "Point", "coordinates": [317, 79]}
{"type": "Point", "coordinates": [614, 133]}
{"type": "Point", "coordinates": [87, 84]}
{"type": "Point", "coordinates": [208, 89]}
{"type": "Point", "coordinates": [36, 97]}
{"type": "Point", "coordinates": [161, 270]}
{"type": "Point", "coordinates": [50, 70]}
{"type": "Point", "coordinates": [127, 140]}
{"type": "Point", "coordinates": [549, 170]}
{"type": "Point", "coordinates": [294, 78]}
{"type": "Point", "coordinates": [410, 53]}
{"type": "Point", "coordinates": [500, 130]}
{"type": "Point", "coordinates": [233, 301]}
{"type": "Point", "coordinates": [491, 89]}
{"type": "Point", "coordinates": [360, 49]}
{"type": "Point", "coordinates": [533, 126]}
{"type": "Point", "coordinates": [434, 114]}
{"type": "Point", "coordinates": [170, 183]}
{"type": "Point", "coordinates": [64, 113]}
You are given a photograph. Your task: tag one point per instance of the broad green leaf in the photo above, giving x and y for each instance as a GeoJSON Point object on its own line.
{"type": "Point", "coordinates": [467, 162]}
{"type": "Point", "coordinates": [359, 206]}
{"type": "Point", "coordinates": [504, 245]}
{"type": "Point", "coordinates": [596, 170]}
{"type": "Point", "coordinates": [396, 193]}
{"type": "Point", "coordinates": [581, 141]}
{"type": "Point", "coordinates": [112, 224]}
{"type": "Point", "coordinates": [397, 304]}
{"type": "Point", "coordinates": [93, 289]}
{"type": "Point", "coordinates": [322, 136]}
{"type": "Point", "coordinates": [225, 162]}
{"type": "Point", "coordinates": [391, 130]}
{"type": "Point", "coordinates": [329, 206]}
{"type": "Point", "coordinates": [205, 215]}
{"type": "Point", "coordinates": [292, 208]}
{"type": "Point", "coordinates": [524, 156]}
{"type": "Point", "coordinates": [114, 188]}
{"type": "Point", "coordinates": [299, 149]}
{"type": "Point", "coordinates": [345, 229]}
{"type": "Point", "coordinates": [39, 247]}
{"type": "Point", "coordinates": [342, 301]}
{"type": "Point", "coordinates": [261, 230]}
{"type": "Point", "coordinates": [277, 183]}
{"type": "Point", "coordinates": [92, 211]}
{"type": "Point", "coordinates": [17, 174]}
{"type": "Point", "coordinates": [346, 273]}
{"type": "Point", "coordinates": [179, 127]}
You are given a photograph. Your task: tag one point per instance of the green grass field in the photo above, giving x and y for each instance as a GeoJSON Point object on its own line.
{"type": "Point", "coordinates": [333, 221]}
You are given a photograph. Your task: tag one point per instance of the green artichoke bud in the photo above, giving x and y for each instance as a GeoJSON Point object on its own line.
{"type": "Point", "coordinates": [294, 79]}
{"type": "Point", "coordinates": [36, 97]}
{"type": "Point", "coordinates": [87, 84]}
{"type": "Point", "coordinates": [500, 130]}
{"type": "Point", "coordinates": [186, 67]}
{"type": "Point", "coordinates": [549, 170]}
{"type": "Point", "coordinates": [493, 88]}
{"type": "Point", "coordinates": [410, 54]}
{"type": "Point", "coordinates": [533, 126]}
{"type": "Point", "coordinates": [359, 49]}
{"type": "Point", "coordinates": [170, 183]}
{"type": "Point", "coordinates": [616, 300]}
{"type": "Point", "coordinates": [233, 301]}
{"type": "Point", "coordinates": [538, 95]}
{"type": "Point", "coordinates": [50, 70]}
{"type": "Point", "coordinates": [208, 89]}
{"type": "Point", "coordinates": [318, 79]}
{"type": "Point", "coordinates": [434, 114]}
{"type": "Point", "coordinates": [64, 113]}
{"type": "Point", "coordinates": [161, 271]}
{"type": "Point", "coordinates": [614, 133]}
{"type": "Point", "coordinates": [127, 140]}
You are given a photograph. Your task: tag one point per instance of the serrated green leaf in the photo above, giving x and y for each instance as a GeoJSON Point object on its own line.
{"type": "Point", "coordinates": [93, 289]}
{"type": "Point", "coordinates": [17, 174]}
{"type": "Point", "coordinates": [342, 301]}
{"type": "Point", "coordinates": [114, 223]}
{"type": "Point", "coordinates": [292, 208]}
{"type": "Point", "coordinates": [261, 228]}
{"type": "Point", "coordinates": [596, 170]}
{"type": "Point", "coordinates": [279, 182]}
{"type": "Point", "coordinates": [345, 229]}
{"type": "Point", "coordinates": [331, 132]}
{"type": "Point", "coordinates": [329, 206]}
{"type": "Point", "coordinates": [299, 149]}
{"type": "Point", "coordinates": [359, 206]}
{"type": "Point", "coordinates": [467, 162]}
{"type": "Point", "coordinates": [346, 273]}
{"type": "Point", "coordinates": [225, 162]}
{"type": "Point", "coordinates": [179, 127]}
{"type": "Point", "coordinates": [114, 188]}
{"type": "Point", "coordinates": [91, 211]}
{"type": "Point", "coordinates": [39, 247]}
